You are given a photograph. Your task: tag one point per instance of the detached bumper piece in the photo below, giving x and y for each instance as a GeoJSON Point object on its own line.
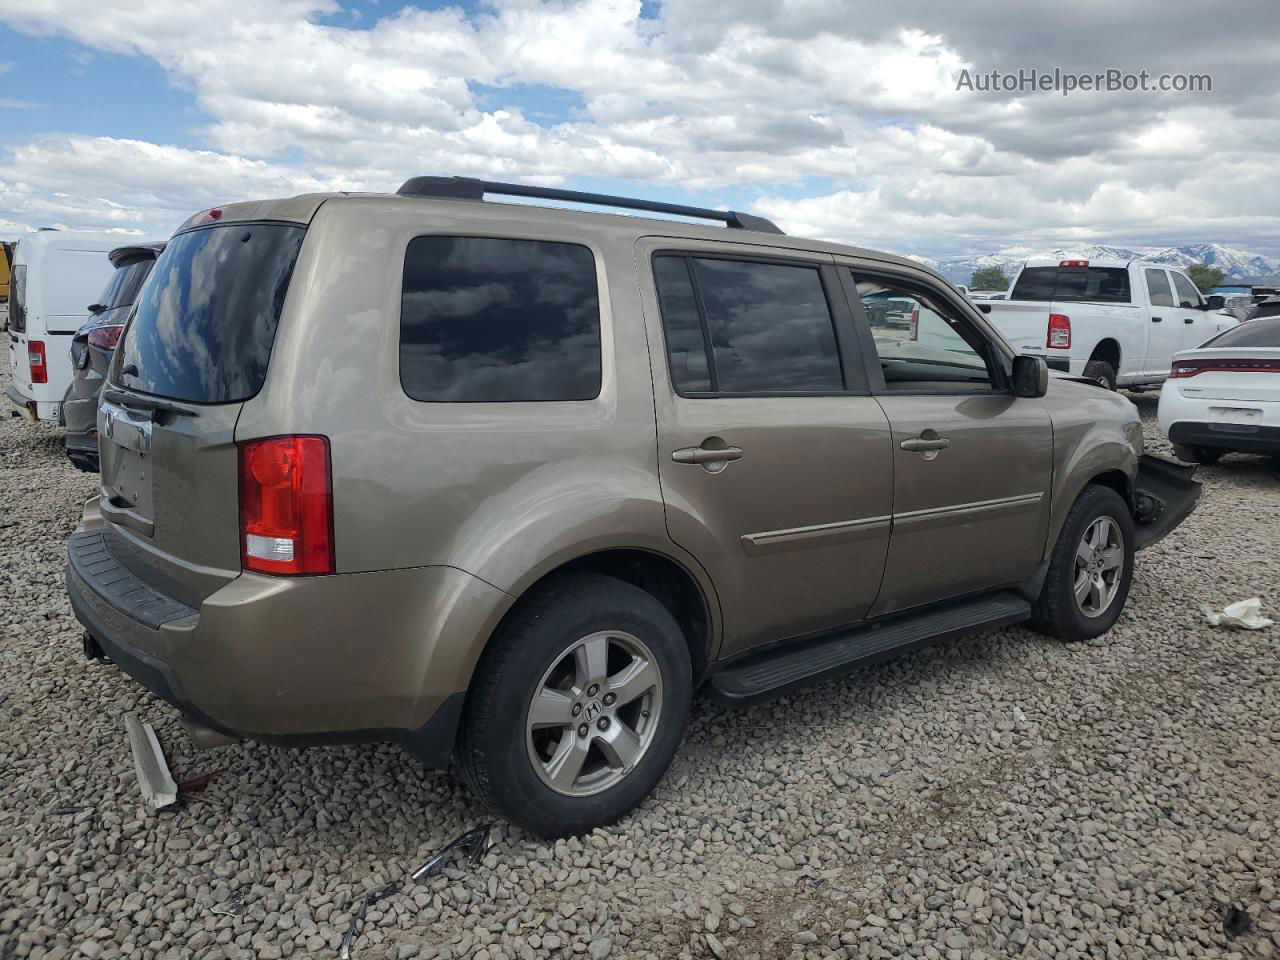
{"type": "Point", "coordinates": [1164, 495]}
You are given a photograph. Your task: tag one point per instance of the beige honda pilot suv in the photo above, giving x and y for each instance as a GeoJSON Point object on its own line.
{"type": "Point", "coordinates": [507, 484]}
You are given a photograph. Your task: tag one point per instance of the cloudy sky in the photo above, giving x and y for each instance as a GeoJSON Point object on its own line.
{"type": "Point", "coordinates": [838, 119]}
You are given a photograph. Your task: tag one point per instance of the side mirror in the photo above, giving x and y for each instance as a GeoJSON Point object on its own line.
{"type": "Point", "coordinates": [1030, 376]}
{"type": "Point", "coordinates": [1215, 302]}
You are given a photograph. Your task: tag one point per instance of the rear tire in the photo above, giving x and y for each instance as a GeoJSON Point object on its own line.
{"type": "Point", "coordinates": [1103, 373]}
{"type": "Point", "coordinates": [1097, 531]}
{"type": "Point", "coordinates": [568, 648]}
{"type": "Point", "coordinates": [1205, 455]}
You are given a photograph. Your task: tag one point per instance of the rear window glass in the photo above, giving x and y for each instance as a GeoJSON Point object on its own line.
{"type": "Point", "coordinates": [125, 284]}
{"type": "Point", "coordinates": [203, 328]}
{"type": "Point", "coordinates": [1251, 333]}
{"type": "Point", "coordinates": [1093, 284]}
{"type": "Point", "coordinates": [18, 298]}
{"type": "Point", "coordinates": [489, 319]}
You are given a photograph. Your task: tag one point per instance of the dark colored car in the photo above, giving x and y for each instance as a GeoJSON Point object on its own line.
{"type": "Point", "coordinates": [93, 346]}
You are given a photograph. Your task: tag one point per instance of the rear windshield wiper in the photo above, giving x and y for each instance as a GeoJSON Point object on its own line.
{"type": "Point", "coordinates": [126, 399]}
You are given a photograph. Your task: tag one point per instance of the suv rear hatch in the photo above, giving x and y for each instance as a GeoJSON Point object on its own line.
{"type": "Point", "coordinates": [196, 348]}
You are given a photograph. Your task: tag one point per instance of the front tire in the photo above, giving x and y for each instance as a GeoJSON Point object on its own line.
{"type": "Point", "coordinates": [1090, 569]}
{"type": "Point", "coordinates": [578, 705]}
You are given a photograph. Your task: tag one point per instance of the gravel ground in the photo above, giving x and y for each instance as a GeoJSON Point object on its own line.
{"type": "Point", "coordinates": [1003, 796]}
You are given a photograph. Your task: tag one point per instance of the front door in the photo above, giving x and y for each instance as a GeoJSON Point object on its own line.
{"type": "Point", "coordinates": [775, 461]}
{"type": "Point", "coordinates": [972, 464]}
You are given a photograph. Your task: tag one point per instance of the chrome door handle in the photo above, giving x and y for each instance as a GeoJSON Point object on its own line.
{"type": "Point", "coordinates": [925, 445]}
{"type": "Point", "coordinates": [706, 455]}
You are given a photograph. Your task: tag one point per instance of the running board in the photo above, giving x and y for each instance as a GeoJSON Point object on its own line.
{"type": "Point", "coordinates": [782, 669]}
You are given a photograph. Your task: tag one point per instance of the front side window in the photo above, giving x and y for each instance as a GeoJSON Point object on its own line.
{"type": "Point", "coordinates": [489, 319]}
{"type": "Point", "coordinates": [747, 327]}
{"type": "Point", "coordinates": [1188, 295]}
{"type": "Point", "coordinates": [1158, 288]}
{"type": "Point", "coordinates": [919, 342]}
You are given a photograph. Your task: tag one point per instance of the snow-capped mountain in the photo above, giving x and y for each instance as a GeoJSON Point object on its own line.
{"type": "Point", "coordinates": [1232, 261]}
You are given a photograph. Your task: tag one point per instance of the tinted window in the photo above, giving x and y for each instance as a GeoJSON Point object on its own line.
{"type": "Point", "coordinates": [1095, 284]}
{"type": "Point", "coordinates": [125, 284]}
{"type": "Point", "coordinates": [1158, 288]}
{"type": "Point", "coordinates": [686, 348]}
{"type": "Point", "coordinates": [484, 319]}
{"type": "Point", "coordinates": [1251, 333]}
{"type": "Point", "coordinates": [919, 342]}
{"type": "Point", "coordinates": [18, 298]}
{"type": "Point", "coordinates": [204, 327]}
{"type": "Point", "coordinates": [770, 327]}
{"type": "Point", "coordinates": [1188, 295]}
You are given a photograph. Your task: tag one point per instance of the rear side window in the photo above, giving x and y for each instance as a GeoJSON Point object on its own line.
{"type": "Point", "coordinates": [490, 319]}
{"type": "Point", "coordinates": [203, 329]}
{"type": "Point", "coordinates": [747, 327]}
{"type": "Point", "coordinates": [1158, 288]}
{"type": "Point", "coordinates": [1092, 284]}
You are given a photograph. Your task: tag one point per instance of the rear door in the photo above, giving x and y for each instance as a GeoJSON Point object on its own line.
{"type": "Point", "coordinates": [19, 366]}
{"type": "Point", "coordinates": [972, 464]}
{"type": "Point", "coordinates": [1166, 322]}
{"type": "Point", "coordinates": [774, 459]}
{"type": "Point", "coordinates": [195, 349]}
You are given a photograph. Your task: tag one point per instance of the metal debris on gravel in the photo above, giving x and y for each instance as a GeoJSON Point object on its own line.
{"type": "Point", "coordinates": [1003, 796]}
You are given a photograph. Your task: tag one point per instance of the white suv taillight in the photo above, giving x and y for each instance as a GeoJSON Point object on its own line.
{"type": "Point", "coordinates": [286, 506]}
{"type": "Point", "coordinates": [1058, 335]}
{"type": "Point", "coordinates": [36, 361]}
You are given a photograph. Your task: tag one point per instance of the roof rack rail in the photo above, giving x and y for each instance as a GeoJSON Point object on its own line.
{"type": "Point", "coordinates": [469, 188]}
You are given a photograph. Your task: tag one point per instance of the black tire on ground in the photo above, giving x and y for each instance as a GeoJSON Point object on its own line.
{"type": "Point", "coordinates": [1101, 371]}
{"type": "Point", "coordinates": [1056, 611]}
{"type": "Point", "coordinates": [1206, 455]}
{"type": "Point", "coordinates": [492, 753]}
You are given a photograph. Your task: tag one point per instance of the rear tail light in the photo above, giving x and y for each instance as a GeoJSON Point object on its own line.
{"type": "Point", "coordinates": [1189, 368]}
{"type": "Point", "coordinates": [1058, 335]}
{"type": "Point", "coordinates": [915, 324]}
{"type": "Point", "coordinates": [105, 338]}
{"type": "Point", "coordinates": [35, 360]}
{"type": "Point", "coordinates": [286, 506]}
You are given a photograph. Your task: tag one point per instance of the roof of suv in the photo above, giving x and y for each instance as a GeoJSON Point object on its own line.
{"type": "Point", "coordinates": [741, 228]}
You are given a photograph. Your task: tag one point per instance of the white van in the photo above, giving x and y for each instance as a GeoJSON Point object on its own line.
{"type": "Point", "coordinates": [56, 276]}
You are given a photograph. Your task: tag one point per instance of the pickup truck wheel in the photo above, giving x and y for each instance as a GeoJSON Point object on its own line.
{"type": "Point", "coordinates": [1101, 372]}
{"type": "Point", "coordinates": [577, 707]}
{"type": "Point", "coordinates": [1205, 455]}
{"type": "Point", "coordinates": [1090, 569]}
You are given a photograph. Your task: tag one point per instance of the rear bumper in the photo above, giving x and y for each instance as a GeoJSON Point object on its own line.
{"type": "Point", "coordinates": [82, 448]}
{"type": "Point", "coordinates": [25, 405]}
{"type": "Point", "coordinates": [1164, 495]}
{"type": "Point", "coordinates": [343, 659]}
{"type": "Point", "coordinates": [1246, 438]}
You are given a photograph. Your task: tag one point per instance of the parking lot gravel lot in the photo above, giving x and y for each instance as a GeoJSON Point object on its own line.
{"type": "Point", "coordinates": [1007, 795]}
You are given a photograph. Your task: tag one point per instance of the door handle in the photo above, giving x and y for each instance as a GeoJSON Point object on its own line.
{"type": "Point", "coordinates": [1188, 319]}
{"type": "Point", "coordinates": [1156, 319]}
{"type": "Point", "coordinates": [706, 455]}
{"type": "Point", "coordinates": [925, 444]}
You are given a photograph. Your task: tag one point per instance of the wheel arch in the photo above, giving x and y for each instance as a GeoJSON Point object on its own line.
{"type": "Point", "coordinates": [1107, 350]}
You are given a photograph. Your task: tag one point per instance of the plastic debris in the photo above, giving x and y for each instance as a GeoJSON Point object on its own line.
{"type": "Point", "coordinates": [474, 844]}
{"type": "Point", "coordinates": [1236, 922]}
{"type": "Point", "coordinates": [1243, 613]}
{"type": "Point", "coordinates": [148, 761]}
{"type": "Point", "coordinates": [234, 907]}
{"type": "Point", "coordinates": [197, 783]}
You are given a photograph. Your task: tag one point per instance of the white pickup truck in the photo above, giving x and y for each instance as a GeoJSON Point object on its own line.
{"type": "Point", "coordinates": [1115, 321]}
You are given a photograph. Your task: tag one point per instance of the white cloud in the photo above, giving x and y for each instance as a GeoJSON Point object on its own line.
{"type": "Point", "coordinates": [708, 97]}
